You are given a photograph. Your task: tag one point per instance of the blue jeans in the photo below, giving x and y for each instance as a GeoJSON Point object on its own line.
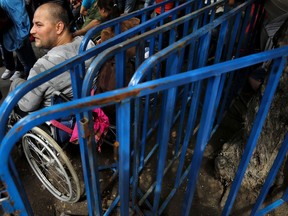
{"type": "Point", "coordinates": [8, 58]}
{"type": "Point", "coordinates": [126, 5]}
{"type": "Point", "coordinates": [9, 61]}
{"type": "Point", "coordinates": [26, 56]}
{"type": "Point", "coordinates": [148, 3]}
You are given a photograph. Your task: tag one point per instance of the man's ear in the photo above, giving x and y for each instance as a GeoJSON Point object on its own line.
{"type": "Point", "coordinates": [60, 27]}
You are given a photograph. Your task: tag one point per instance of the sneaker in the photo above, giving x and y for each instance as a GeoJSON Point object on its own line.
{"type": "Point", "coordinates": [17, 74]}
{"type": "Point", "coordinates": [7, 74]}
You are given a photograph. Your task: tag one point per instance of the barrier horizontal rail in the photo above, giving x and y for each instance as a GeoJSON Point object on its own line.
{"type": "Point", "coordinates": [89, 53]}
{"type": "Point", "coordinates": [118, 51]}
{"type": "Point", "coordinates": [74, 64]}
{"type": "Point", "coordinates": [116, 96]}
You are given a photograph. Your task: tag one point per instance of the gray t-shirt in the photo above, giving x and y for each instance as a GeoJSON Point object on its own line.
{"type": "Point", "coordinates": [41, 95]}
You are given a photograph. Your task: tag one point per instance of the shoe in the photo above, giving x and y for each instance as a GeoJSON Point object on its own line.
{"type": "Point", "coordinates": [17, 74]}
{"type": "Point", "coordinates": [7, 74]}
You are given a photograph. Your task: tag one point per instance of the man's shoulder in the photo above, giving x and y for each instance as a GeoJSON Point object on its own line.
{"type": "Point", "coordinates": [68, 50]}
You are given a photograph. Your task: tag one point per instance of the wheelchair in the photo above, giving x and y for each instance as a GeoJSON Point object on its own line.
{"type": "Point", "coordinates": [44, 148]}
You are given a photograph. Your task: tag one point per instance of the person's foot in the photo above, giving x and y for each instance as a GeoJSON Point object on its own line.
{"type": "Point", "coordinates": [7, 74]}
{"type": "Point", "coordinates": [17, 74]}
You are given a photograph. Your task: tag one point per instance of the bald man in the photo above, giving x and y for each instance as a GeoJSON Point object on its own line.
{"type": "Point", "coordinates": [51, 30]}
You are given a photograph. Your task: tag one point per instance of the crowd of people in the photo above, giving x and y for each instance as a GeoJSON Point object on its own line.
{"type": "Point", "coordinates": [50, 25]}
{"type": "Point", "coordinates": [21, 24]}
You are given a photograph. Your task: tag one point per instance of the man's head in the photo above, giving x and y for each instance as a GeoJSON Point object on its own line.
{"type": "Point", "coordinates": [51, 26]}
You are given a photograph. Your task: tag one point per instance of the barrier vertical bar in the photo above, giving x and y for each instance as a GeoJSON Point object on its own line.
{"type": "Point", "coordinates": [202, 139]}
{"type": "Point", "coordinates": [272, 174]}
{"type": "Point", "coordinates": [273, 81]}
{"type": "Point", "coordinates": [123, 130]}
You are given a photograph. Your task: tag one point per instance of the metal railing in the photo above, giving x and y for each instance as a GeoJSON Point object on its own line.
{"type": "Point", "coordinates": [126, 98]}
{"type": "Point", "coordinates": [157, 101]}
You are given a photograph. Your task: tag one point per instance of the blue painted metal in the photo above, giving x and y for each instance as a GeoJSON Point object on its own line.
{"type": "Point", "coordinates": [269, 181]}
{"type": "Point", "coordinates": [123, 128]}
{"type": "Point", "coordinates": [108, 53]}
{"type": "Point", "coordinates": [145, 25]}
{"type": "Point", "coordinates": [275, 74]}
{"type": "Point", "coordinates": [147, 36]}
{"type": "Point", "coordinates": [77, 72]}
{"type": "Point", "coordinates": [129, 100]}
{"type": "Point", "coordinates": [95, 66]}
{"type": "Point", "coordinates": [125, 95]}
{"type": "Point", "coordinates": [119, 63]}
{"type": "Point", "coordinates": [206, 124]}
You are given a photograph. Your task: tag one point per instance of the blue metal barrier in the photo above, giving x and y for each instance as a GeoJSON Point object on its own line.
{"type": "Point", "coordinates": [150, 39]}
{"type": "Point", "coordinates": [193, 20]}
{"type": "Point", "coordinates": [77, 71]}
{"type": "Point", "coordinates": [125, 99]}
{"type": "Point", "coordinates": [230, 27]}
{"type": "Point", "coordinates": [269, 181]}
{"type": "Point", "coordinates": [198, 44]}
{"type": "Point", "coordinates": [199, 16]}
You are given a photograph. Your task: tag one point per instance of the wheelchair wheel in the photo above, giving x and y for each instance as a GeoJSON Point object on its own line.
{"type": "Point", "coordinates": [51, 165]}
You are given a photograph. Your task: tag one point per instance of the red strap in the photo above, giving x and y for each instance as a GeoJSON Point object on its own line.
{"type": "Point", "coordinates": [61, 126]}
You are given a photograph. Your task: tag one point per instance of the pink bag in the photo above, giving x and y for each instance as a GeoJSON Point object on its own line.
{"type": "Point", "coordinates": [101, 125]}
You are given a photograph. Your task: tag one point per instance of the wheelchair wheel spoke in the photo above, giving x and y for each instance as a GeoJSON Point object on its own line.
{"type": "Point", "coordinates": [51, 165]}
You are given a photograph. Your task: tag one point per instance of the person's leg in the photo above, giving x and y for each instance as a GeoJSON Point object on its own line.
{"type": "Point", "coordinates": [121, 4]}
{"type": "Point", "coordinates": [148, 3]}
{"type": "Point", "coordinates": [9, 63]}
{"type": "Point", "coordinates": [76, 12]}
{"type": "Point", "coordinates": [9, 60]}
{"type": "Point", "coordinates": [129, 6]}
{"type": "Point", "coordinates": [19, 66]}
{"type": "Point", "coordinates": [27, 57]}
{"type": "Point", "coordinates": [1, 57]}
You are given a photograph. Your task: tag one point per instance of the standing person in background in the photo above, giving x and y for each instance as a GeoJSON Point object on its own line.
{"type": "Point", "coordinates": [1, 57]}
{"type": "Point", "coordinates": [9, 63]}
{"type": "Point", "coordinates": [148, 3]}
{"type": "Point", "coordinates": [126, 6]}
{"type": "Point", "coordinates": [16, 38]}
{"type": "Point", "coordinates": [167, 7]}
{"type": "Point", "coordinates": [92, 19]}
{"type": "Point", "coordinates": [8, 57]}
{"type": "Point", "coordinates": [85, 6]}
{"type": "Point", "coordinates": [75, 7]}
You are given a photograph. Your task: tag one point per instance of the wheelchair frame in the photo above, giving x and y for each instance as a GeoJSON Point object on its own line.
{"type": "Point", "coordinates": [48, 159]}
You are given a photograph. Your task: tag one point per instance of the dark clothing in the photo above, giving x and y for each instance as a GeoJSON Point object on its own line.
{"type": "Point", "coordinates": [16, 38]}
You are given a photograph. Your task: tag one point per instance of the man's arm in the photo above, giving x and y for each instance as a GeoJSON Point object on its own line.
{"type": "Point", "coordinates": [31, 101]}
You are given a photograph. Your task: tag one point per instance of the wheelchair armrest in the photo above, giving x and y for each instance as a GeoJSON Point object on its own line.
{"type": "Point", "coordinates": [59, 94]}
